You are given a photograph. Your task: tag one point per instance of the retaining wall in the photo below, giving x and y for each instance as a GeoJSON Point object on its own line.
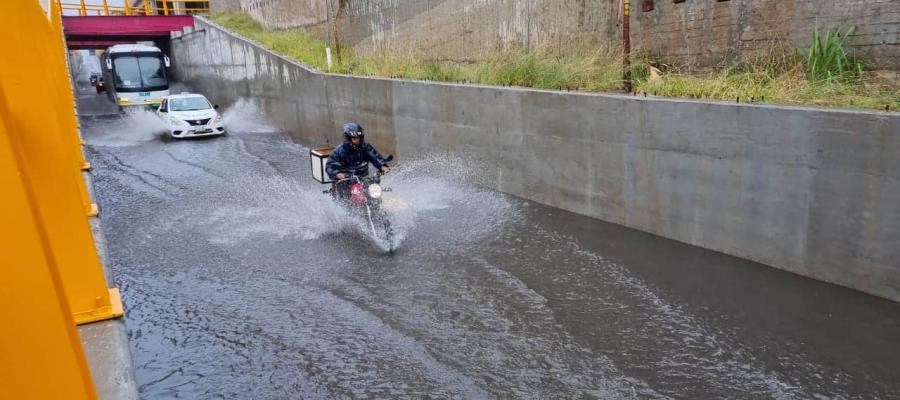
{"type": "Point", "coordinates": [812, 191]}
{"type": "Point", "coordinates": [695, 33]}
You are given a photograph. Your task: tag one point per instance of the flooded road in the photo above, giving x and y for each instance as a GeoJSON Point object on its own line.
{"type": "Point", "coordinates": [241, 280]}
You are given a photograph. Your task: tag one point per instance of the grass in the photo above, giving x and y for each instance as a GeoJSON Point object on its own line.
{"type": "Point", "coordinates": [824, 75]}
{"type": "Point", "coordinates": [827, 60]}
{"type": "Point", "coordinates": [292, 43]}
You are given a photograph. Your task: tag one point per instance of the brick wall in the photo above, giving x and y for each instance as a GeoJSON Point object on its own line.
{"type": "Point", "coordinates": [707, 32]}
{"type": "Point", "coordinates": [697, 33]}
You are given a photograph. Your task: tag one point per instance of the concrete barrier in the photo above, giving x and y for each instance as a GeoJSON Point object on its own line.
{"type": "Point", "coordinates": [811, 191]}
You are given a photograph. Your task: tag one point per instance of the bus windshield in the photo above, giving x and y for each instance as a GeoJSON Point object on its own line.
{"type": "Point", "coordinates": [135, 73]}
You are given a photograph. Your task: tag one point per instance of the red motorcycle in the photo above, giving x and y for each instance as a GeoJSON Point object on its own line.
{"type": "Point", "coordinates": [363, 196]}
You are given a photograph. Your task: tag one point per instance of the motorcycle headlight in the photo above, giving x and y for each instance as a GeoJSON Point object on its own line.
{"type": "Point", "coordinates": [375, 191]}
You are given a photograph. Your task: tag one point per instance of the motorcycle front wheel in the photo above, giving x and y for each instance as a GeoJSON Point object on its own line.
{"type": "Point", "coordinates": [383, 230]}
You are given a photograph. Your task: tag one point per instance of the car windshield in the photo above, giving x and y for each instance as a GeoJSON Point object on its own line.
{"type": "Point", "coordinates": [188, 104]}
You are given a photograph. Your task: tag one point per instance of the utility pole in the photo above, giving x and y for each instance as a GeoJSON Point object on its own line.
{"type": "Point", "coordinates": [341, 7]}
{"type": "Point", "coordinates": [626, 36]}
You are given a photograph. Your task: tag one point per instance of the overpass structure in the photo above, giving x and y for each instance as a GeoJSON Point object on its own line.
{"type": "Point", "coordinates": [100, 26]}
{"type": "Point", "coordinates": [100, 32]}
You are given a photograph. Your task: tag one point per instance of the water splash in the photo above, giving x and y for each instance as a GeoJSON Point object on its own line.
{"type": "Point", "coordinates": [245, 116]}
{"type": "Point", "coordinates": [279, 206]}
{"type": "Point", "coordinates": [135, 126]}
{"type": "Point", "coordinates": [444, 189]}
{"type": "Point", "coordinates": [179, 87]}
{"type": "Point", "coordinates": [273, 206]}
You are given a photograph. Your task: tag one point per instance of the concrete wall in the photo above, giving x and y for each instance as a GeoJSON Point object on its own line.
{"type": "Point", "coordinates": [698, 33]}
{"type": "Point", "coordinates": [218, 6]}
{"type": "Point", "coordinates": [815, 192]}
{"type": "Point", "coordinates": [285, 14]}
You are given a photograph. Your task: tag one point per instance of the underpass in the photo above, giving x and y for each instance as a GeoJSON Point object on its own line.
{"type": "Point", "coordinates": [240, 279]}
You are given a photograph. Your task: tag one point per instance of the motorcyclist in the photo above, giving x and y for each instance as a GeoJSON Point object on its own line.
{"type": "Point", "coordinates": [354, 155]}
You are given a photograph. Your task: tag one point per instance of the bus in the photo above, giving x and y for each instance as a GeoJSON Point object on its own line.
{"type": "Point", "coordinates": [135, 74]}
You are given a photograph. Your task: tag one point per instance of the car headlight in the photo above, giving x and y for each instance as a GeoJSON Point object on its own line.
{"type": "Point", "coordinates": [217, 119]}
{"type": "Point", "coordinates": [375, 191]}
{"type": "Point", "coordinates": [176, 121]}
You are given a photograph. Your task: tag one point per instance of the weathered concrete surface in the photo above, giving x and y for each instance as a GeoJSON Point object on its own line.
{"type": "Point", "coordinates": [811, 191]}
{"type": "Point", "coordinates": [286, 14]}
{"type": "Point", "coordinates": [694, 33]}
{"type": "Point", "coordinates": [217, 6]}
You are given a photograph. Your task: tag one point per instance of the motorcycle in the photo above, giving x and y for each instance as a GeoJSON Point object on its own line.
{"type": "Point", "coordinates": [363, 196]}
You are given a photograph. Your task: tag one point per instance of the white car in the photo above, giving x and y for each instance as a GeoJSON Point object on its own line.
{"type": "Point", "coordinates": [190, 115]}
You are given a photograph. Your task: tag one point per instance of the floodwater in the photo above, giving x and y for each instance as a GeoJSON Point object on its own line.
{"type": "Point", "coordinates": [242, 280]}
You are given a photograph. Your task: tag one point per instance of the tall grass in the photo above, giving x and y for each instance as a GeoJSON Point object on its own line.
{"type": "Point", "coordinates": [823, 75]}
{"type": "Point", "coordinates": [827, 60]}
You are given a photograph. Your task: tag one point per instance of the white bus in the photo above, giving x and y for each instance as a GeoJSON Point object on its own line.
{"type": "Point", "coordinates": [135, 74]}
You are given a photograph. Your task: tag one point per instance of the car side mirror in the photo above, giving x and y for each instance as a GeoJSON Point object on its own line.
{"type": "Point", "coordinates": [389, 158]}
{"type": "Point", "coordinates": [162, 110]}
{"type": "Point", "coordinates": [215, 107]}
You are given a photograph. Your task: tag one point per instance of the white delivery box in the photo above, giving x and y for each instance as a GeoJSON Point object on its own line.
{"type": "Point", "coordinates": [317, 159]}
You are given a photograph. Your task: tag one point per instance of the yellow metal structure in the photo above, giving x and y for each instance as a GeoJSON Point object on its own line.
{"type": "Point", "coordinates": [45, 126]}
{"type": "Point", "coordinates": [51, 274]}
{"type": "Point", "coordinates": [146, 7]}
{"type": "Point", "coordinates": [41, 355]}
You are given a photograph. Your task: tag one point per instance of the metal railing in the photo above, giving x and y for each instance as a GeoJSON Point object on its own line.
{"type": "Point", "coordinates": [145, 7]}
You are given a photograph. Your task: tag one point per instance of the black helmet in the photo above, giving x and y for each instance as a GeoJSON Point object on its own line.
{"type": "Point", "coordinates": [353, 130]}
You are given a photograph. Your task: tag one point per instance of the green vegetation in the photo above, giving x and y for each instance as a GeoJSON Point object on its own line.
{"type": "Point", "coordinates": [292, 43]}
{"type": "Point", "coordinates": [827, 60]}
{"type": "Point", "coordinates": [823, 75]}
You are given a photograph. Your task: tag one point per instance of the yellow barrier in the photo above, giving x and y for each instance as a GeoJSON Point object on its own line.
{"type": "Point", "coordinates": [51, 276]}
{"type": "Point", "coordinates": [41, 356]}
{"type": "Point", "coordinates": [145, 8]}
{"type": "Point", "coordinates": [41, 205]}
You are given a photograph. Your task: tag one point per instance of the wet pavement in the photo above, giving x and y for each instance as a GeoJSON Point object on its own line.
{"type": "Point", "coordinates": [241, 280]}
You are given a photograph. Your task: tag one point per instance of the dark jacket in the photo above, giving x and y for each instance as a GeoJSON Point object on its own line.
{"type": "Point", "coordinates": [355, 160]}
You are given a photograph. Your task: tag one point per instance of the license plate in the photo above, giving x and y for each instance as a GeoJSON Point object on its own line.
{"type": "Point", "coordinates": [142, 94]}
